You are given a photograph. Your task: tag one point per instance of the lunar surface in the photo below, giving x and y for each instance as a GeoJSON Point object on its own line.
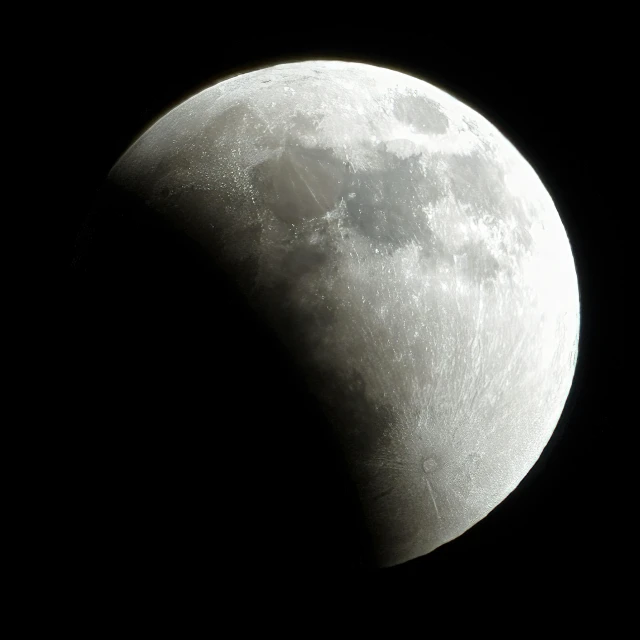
{"type": "Point", "coordinates": [409, 258]}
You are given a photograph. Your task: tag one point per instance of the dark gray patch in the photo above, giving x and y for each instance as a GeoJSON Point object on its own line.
{"type": "Point", "coordinates": [478, 263]}
{"type": "Point", "coordinates": [236, 123]}
{"type": "Point", "coordinates": [477, 180]}
{"type": "Point", "coordinates": [179, 163]}
{"type": "Point", "coordinates": [302, 183]}
{"type": "Point", "coordinates": [436, 250]}
{"type": "Point", "coordinates": [303, 323]}
{"type": "Point", "coordinates": [365, 423]}
{"type": "Point", "coordinates": [300, 328]}
{"type": "Point", "coordinates": [421, 114]}
{"type": "Point", "coordinates": [304, 259]}
{"type": "Point", "coordinates": [233, 119]}
{"type": "Point", "coordinates": [522, 234]}
{"type": "Point", "coordinates": [303, 124]}
{"type": "Point", "coordinates": [386, 207]}
{"type": "Point", "coordinates": [480, 182]}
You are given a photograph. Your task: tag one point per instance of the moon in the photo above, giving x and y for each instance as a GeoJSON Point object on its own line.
{"type": "Point", "coordinates": [407, 256]}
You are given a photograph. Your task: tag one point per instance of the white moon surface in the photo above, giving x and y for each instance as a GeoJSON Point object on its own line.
{"type": "Point", "coordinates": [406, 253]}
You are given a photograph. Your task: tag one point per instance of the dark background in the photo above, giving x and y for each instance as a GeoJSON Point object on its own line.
{"type": "Point", "coordinates": [554, 535]}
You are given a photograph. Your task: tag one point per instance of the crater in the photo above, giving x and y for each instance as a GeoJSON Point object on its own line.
{"type": "Point", "coordinates": [429, 465]}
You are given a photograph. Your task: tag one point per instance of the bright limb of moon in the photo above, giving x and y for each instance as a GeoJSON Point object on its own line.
{"type": "Point", "coordinates": [406, 253]}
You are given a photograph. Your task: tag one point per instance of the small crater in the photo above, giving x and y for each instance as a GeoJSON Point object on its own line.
{"type": "Point", "coordinates": [429, 465]}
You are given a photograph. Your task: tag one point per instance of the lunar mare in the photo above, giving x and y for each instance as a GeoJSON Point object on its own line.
{"type": "Point", "coordinates": [407, 255]}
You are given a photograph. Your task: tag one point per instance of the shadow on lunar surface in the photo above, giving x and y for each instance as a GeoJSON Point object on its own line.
{"type": "Point", "coordinates": [205, 452]}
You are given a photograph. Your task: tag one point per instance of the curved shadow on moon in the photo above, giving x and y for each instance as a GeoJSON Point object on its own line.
{"type": "Point", "coordinates": [213, 455]}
